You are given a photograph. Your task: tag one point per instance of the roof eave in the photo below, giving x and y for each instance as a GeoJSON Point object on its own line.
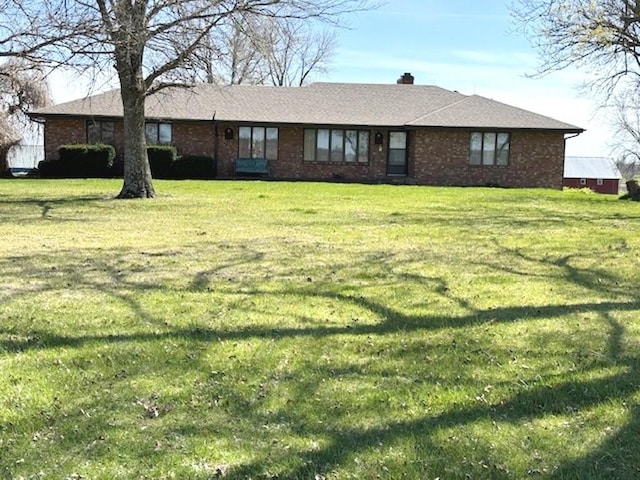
{"type": "Point", "coordinates": [567, 130]}
{"type": "Point", "coordinates": [40, 116]}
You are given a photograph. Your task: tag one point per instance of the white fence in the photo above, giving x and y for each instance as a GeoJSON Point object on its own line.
{"type": "Point", "coordinates": [25, 156]}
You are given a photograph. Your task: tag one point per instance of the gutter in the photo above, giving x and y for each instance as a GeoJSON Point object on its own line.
{"type": "Point", "coordinates": [574, 135]}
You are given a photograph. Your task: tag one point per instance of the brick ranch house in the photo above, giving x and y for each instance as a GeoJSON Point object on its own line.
{"type": "Point", "coordinates": [401, 133]}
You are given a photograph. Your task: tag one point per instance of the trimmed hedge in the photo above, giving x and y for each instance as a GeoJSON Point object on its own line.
{"type": "Point", "coordinates": [194, 167]}
{"type": "Point", "coordinates": [80, 161]}
{"type": "Point", "coordinates": [88, 152]}
{"type": "Point", "coordinates": [161, 160]}
{"type": "Point", "coordinates": [50, 169]}
{"type": "Point", "coordinates": [91, 161]}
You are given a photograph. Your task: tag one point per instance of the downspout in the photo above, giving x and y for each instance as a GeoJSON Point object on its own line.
{"type": "Point", "coordinates": [564, 155]}
{"type": "Point", "coordinates": [565, 143]}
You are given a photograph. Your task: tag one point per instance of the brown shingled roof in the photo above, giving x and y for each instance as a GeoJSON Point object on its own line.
{"type": "Point", "coordinates": [321, 104]}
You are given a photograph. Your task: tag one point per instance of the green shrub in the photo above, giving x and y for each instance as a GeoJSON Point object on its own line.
{"type": "Point", "coordinates": [161, 160]}
{"type": "Point", "coordinates": [50, 169]}
{"type": "Point", "coordinates": [88, 152]}
{"type": "Point", "coordinates": [194, 166]}
{"type": "Point", "coordinates": [80, 161]}
{"type": "Point", "coordinates": [117, 171]}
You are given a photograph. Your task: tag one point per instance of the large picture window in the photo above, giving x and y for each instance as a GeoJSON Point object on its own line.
{"type": "Point", "coordinates": [100, 132]}
{"type": "Point", "coordinates": [158, 133]}
{"type": "Point", "coordinates": [489, 148]}
{"type": "Point", "coordinates": [336, 145]}
{"type": "Point", "coordinates": [258, 142]}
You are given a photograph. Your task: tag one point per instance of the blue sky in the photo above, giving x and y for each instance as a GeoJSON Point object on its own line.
{"type": "Point", "coordinates": [466, 45]}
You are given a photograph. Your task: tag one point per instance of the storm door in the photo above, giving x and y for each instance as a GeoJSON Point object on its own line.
{"type": "Point", "coordinates": [397, 158]}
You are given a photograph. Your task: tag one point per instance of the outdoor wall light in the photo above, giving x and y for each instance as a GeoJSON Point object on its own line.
{"type": "Point", "coordinates": [377, 139]}
{"type": "Point", "coordinates": [228, 134]}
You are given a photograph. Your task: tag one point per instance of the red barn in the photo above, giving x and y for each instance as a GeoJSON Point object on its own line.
{"type": "Point", "coordinates": [600, 174]}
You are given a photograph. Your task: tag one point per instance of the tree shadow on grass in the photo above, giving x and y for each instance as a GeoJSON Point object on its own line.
{"type": "Point", "coordinates": [614, 458]}
{"type": "Point", "coordinates": [395, 321]}
{"type": "Point", "coordinates": [596, 279]}
{"type": "Point", "coordinates": [48, 207]}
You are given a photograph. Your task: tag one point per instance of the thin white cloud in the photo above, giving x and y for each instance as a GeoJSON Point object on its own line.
{"type": "Point", "coordinates": [510, 58]}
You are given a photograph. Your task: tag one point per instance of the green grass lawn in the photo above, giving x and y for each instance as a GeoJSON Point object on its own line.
{"type": "Point", "coordinates": [317, 331]}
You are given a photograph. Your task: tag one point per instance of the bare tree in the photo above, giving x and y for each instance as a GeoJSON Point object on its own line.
{"type": "Point", "coordinates": [22, 87]}
{"type": "Point", "coordinates": [626, 122]}
{"type": "Point", "coordinates": [601, 35]}
{"type": "Point", "coordinates": [292, 50]}
{"type": "Point", "coordinates": [262, 50]}
{"type": "Point", "coordinates": [148, 42]}
{"type": "Point", "coordinates": [229, 56]}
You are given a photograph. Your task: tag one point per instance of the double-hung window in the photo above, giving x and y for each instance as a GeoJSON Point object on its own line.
{"type": "Point", "coordinates": [258, 142]}
{"type": "Point", "coordinates": [489, 148]}
{"type": "Point", "coordinates": [100, 132]}
{"type": "Point", "coordinates": [158, 133]}
{"type": "Point", "coordinates": [336, 145]}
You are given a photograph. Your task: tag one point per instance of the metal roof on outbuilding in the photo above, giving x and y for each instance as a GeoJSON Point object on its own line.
{"type": "Point", "coordinates": [590, 167]}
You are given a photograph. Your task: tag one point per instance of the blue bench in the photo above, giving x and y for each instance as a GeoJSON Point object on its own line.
{"type": "Point", "coordinates": [252, 166]}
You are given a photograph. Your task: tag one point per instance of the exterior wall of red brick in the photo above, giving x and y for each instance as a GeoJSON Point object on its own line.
{"type": "Point", "coordinates": [194, 138]}
{"type": "Point", "coordinates": [64, 131]}
{"type": "Point", "coordinates": [609, 185]}
{"type": "Point", "coordinates": [226, 150]}
{"type": "Point", "coordinates": [441, 157]}
{"type": "Point", "coordinates": [189, 138]}
{"type": "Point", "coordinates": [435, 156]}
{"type": "Point", "coordinates": [290, 164]}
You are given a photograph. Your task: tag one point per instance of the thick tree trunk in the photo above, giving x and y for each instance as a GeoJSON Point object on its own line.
{"type": "Point", "coordinates": [4, 163]}
{"type": "Point", "coordinates": [633, 189]}
{"type": "Point", "coordinates": [129, 42]}
{"type": "Point", "coordinates": [137, 173]}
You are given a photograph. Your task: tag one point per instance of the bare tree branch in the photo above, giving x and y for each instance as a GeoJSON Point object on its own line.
{"type": "Point", "coordinates": [626, 123]}
{"type": "Point", "coordinates": [260, 49]}
{"type": "Point", "coordinates": [601, 36]}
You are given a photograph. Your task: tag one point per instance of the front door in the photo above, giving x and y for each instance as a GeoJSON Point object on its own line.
{"type": "Point", "coordinates": [397, 158]}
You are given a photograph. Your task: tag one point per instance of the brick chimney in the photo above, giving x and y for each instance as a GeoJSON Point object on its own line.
{"type": "Point", "coordinates": [406, 79]}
